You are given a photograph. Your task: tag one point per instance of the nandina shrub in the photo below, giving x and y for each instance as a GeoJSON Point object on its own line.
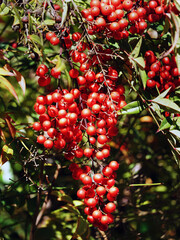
{"type": "Point", "coordinates": [88, 145]}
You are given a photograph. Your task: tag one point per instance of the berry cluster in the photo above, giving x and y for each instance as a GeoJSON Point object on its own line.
{"type": "Point", "coordinates": [98, 192]}
{"type": "Point", "coordinates": [117, 18]}
{"type": "Point", "coordinates": [163, 74]}
{"type": "Point", "coordinates": [66, 116]}
{"type": "Point", "coordinates": [80, 122]}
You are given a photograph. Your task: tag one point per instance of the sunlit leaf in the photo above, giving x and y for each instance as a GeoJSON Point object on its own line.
{"type": "Point", "coordinates": [175, 132]}
{"type": "Point", "coordinates": [5, 72]}
{"type": "Point", "coordinates": [140, 62]}
{"type": "Point", "coordinates": [4, 10]}
{"type": "Point", "coordinates": [5, 83]}
{"type": "Point", "coordinates": [6, 154]}
{"type": "Point", "coordinates": [167, 104]}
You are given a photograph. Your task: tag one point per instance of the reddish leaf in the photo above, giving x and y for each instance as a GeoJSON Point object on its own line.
{"type": "Point", "coordinates": [12, 129]}
{"type": "Point", "coordinates": [2, 55]}
{"type": "Point", "coordinates": [2, 135]}
{"type": "Point", "coordinates": [3, 159]}
{"type": "Point", "coordinates": [5, 72]}
{"type": "Point", "coordinates": [18, 76]}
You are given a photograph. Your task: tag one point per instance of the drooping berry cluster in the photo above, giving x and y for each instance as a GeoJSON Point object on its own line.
{"type": "Point", "coordinates": [98, 192]}
{"type": "Point", "coordinates": [163, 74]}
{"type": "Point", "coordinates": [80, 122]}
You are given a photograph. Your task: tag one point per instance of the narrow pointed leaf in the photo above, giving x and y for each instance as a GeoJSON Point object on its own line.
{"type": "Point", "coordinates": [5, 83]}
{"type": "Point", "coordinates": [64, 14]}
{"type": "Point", "coordinates": [18, 76]}
{"type": "Point", "coordinates": [135, 52]}
{"type": "Point", "coordinates": [167, 104]}
{"type": "Point", "coordinates": [143, 76]}
{"type": "Point", "coordinates": [163, 94]}
{"type": "Point", "coordinates": [12, 129]}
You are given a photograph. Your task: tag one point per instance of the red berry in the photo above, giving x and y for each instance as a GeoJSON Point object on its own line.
{"type": "Point", "coordinates": [54, 40]}
{"type": "Point", "coordinates": [114, 165]}
{"type": "Point", "coordinates": [81, 193]}
{"type": "Point", "coordinates": [110, 207]}
{"type": "Point", "coordinates": [48, 144]}
{"type": "Point", "coordinates": [36, 126]}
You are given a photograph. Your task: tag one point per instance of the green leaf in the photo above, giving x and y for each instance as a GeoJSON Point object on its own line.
{"type": "Point", "coordinates": [132, 108]}
{"type": "Point", "coordinates": [4, 82]}
{"type": "Point", "coordinates": [64, 14]}
{"type": "Point", "coordinates": [135, 52]}
{"type": "Point", "coordinates": [4, 10]}
{"type": "Point", "coordinates": [6, 154]}
{"type": "Point", "coordinates": [165, 124]}
{"type": "Point", "coordinates": [167, 104]}
{"type": "Point", "coordinates": [160, 28]}
{"type": "Point", "coordinates": [49, 22]}
{"type": "Point", "coordinates": [17, 17]}
{"type": "Point", "coordinates": [143, 77]}
{"type": "Point", "coordinates": [36, 39]}
{"type": "Point", "coordinates": [81, 226]}
{"type": "Point", "coordinates": [7, 150]}
{"type": "Point", "coordinates": [140, 62]}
